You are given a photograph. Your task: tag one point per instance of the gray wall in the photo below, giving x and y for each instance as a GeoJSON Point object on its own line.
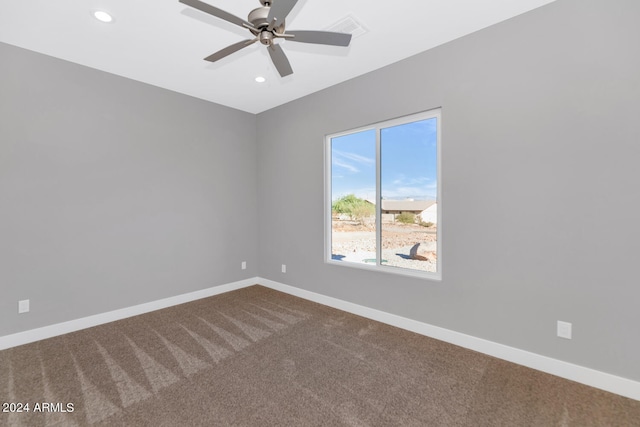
{"type": "Point", "coordinates": [540, 181]}
{"type": "Point", "coordinates": [115, 193]}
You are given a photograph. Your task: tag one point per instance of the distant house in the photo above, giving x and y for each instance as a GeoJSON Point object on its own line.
{"type": "Point", "coordinates": [430, 214]}
{"type": "Point", "coordinates": [427, 210]}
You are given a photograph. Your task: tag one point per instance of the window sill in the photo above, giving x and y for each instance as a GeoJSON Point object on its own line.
{"type": "Point", "coordinates": [398, 271]}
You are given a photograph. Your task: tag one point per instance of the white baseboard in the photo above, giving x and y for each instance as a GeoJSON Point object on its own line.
{"type": "Point", "coordinates": [32, 335]}
{"type": "Point", "coordinates": [591, 377]}
{"type": "Point", "coordinates": [612, 383]}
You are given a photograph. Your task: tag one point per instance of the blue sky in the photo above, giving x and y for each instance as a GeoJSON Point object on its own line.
{"type": "Point", "coordinates": [408, 162]}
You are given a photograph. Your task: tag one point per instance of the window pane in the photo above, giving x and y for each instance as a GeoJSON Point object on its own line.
{"type": "Point", "coordinates": [353, 193]}
{"type": "Point", "coordinates": [409, 190]}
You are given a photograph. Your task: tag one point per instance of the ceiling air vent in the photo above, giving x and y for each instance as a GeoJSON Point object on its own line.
{"type": "Point", "coordinates": [348, 25]}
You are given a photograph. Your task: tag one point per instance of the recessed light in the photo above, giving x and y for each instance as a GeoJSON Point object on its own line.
{"type": "Point", "coordinates": [260, 79]}
{"type": "Point", "coordinates": [102, 16]}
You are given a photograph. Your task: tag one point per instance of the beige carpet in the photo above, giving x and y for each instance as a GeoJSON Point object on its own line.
{"type": "Point", "coordinates": [257, 357]}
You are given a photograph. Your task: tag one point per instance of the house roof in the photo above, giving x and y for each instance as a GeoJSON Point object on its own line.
{"type": "Point", "coordinates": [407, 205]}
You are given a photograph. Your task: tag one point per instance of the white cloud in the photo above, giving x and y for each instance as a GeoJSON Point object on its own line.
{"type": "Point", "coordinates": [348, 166]}
{"type": "Point", "coordinates": [355, 157]}
{"type": "Point", "coordinates": [428, 191]}
{"type": "Point", "coordinates": [402, 180]}
{"type": "Point", "coordinates": [349, 161]}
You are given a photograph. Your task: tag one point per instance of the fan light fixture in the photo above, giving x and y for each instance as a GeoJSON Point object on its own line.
{"type": "Point", "coordinates": [102, 16]}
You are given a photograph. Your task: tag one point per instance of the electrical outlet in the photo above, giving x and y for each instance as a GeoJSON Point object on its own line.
{"type": "Point", "coordinates": [284, 268]}
{"type": "Point", "coordinates": [564, 330]}
{"type": "Point", "coordinates": [244, 265]}
{"type": "Point", "coordinates": [23, 306]}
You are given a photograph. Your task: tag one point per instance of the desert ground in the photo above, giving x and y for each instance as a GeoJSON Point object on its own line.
{"type": "Point", "coordinates": [355, 242]}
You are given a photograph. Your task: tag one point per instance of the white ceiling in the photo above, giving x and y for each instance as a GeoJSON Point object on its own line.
{"type": "Point", "coordinates": [163, 42]}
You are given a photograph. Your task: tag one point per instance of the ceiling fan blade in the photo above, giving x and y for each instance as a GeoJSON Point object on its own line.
{"type": "Point", "coordinates": [280, 9]}
{"type": "Point", "coordinates": [280, 60]}
{"type": "Point", "coordinates": [219, 13]}
{"type": "Point", "coordinates": [229, 50]}
{"type": "Point", "coordinates": [321, 37]}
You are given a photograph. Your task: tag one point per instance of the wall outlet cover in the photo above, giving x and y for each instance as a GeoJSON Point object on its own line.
{"type": "Point", "coordinates": [23, 306]}
{"type": "Point", "coordinates": [564, 330]}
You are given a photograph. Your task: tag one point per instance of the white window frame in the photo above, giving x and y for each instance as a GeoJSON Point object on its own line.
{"type": "Point", "coordinates": [425, 115]}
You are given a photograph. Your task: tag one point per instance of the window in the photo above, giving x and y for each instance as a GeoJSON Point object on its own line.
{"type": "Point", "coordinates": [383, 204]}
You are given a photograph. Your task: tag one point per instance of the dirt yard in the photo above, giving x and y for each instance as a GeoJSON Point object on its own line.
{"type": "Point", "coordinates": [357, 243]}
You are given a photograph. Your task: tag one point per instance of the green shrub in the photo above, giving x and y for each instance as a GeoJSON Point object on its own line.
{"type": "Point", "coordinates": [360, 212]}
{"type": "Point", "coordinates": [426, 224]}
{"type": "Point", "coordinates": [344, 205]}
{"type": "Point", "coordinates": [406, 218]}
{"type": "Point", "coordinates": [356, 208]}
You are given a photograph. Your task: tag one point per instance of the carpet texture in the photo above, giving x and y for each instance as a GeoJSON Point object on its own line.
{"type": "Point", "coordinates": [258, 357]}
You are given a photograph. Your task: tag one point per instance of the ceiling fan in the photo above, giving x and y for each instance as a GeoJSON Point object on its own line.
{"type": "Point", "coordinates": [267, 23]}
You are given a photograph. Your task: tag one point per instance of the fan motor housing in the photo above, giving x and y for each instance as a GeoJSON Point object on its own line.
{"type": "Point", "coordinates": [258, 18]}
